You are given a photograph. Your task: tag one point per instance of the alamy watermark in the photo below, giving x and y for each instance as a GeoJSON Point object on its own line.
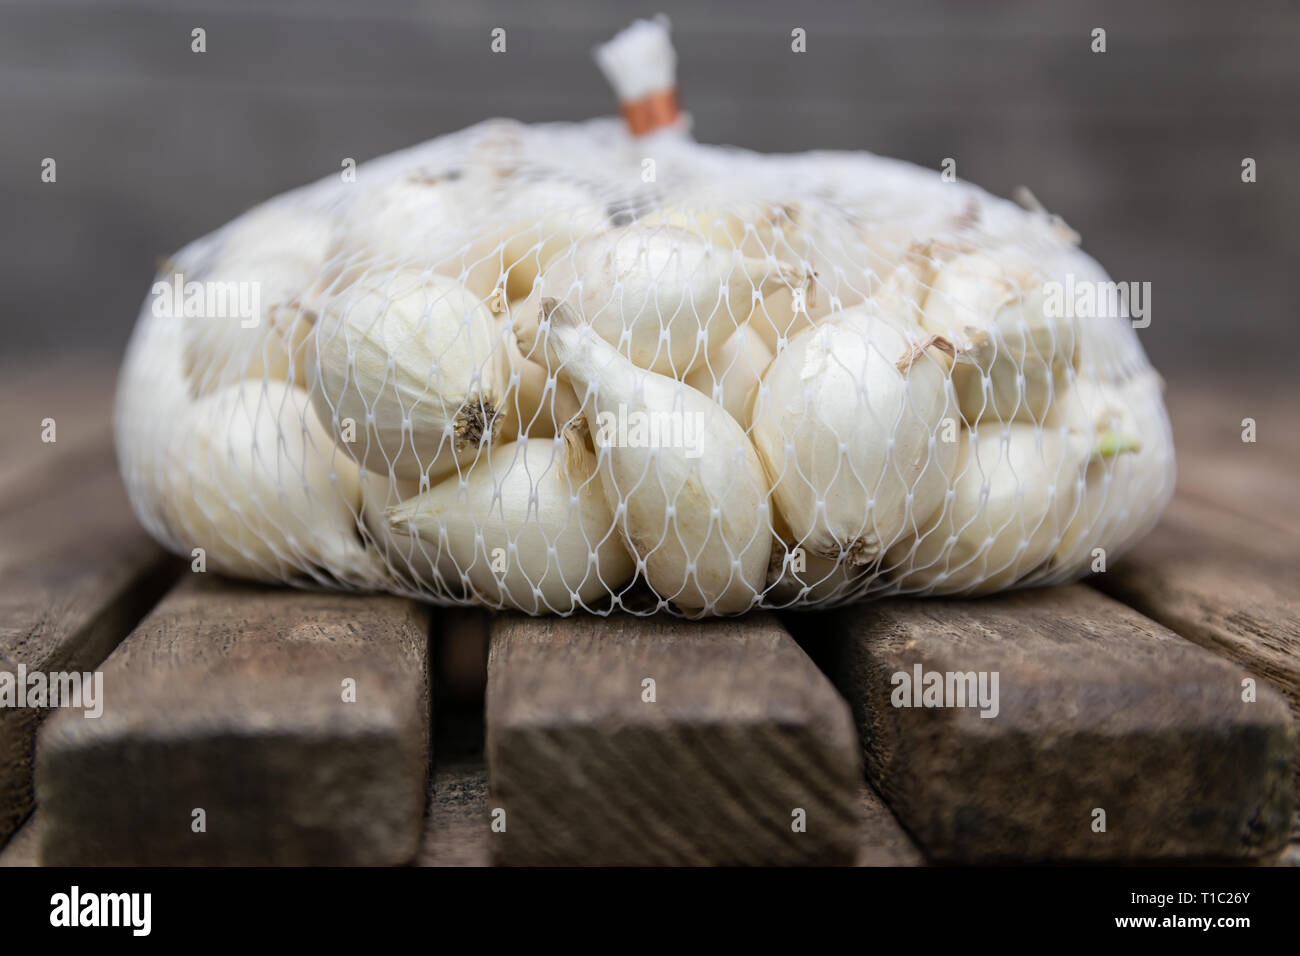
{"type": "Point", "coordinates": [132, 911]}
{"type": "Point", "coordinates": [1091, 299]}
{"type": "Point", "coordinates": [922, 688]}
{"type": "Point", "coordinates": [638, 428]}
{"type": "Point", "coordinates": [72, 689]}
{"type": "Point", "coordinates": [208, 300]}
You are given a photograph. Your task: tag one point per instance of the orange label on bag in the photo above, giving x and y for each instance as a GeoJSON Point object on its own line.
{"type": "Point", "coordinates": [652, 112]}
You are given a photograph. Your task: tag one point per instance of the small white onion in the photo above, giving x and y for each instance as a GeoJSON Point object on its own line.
{"type": "Point", "coordinates": [660, 295]}
{"type": "Point", "coordinates": [1016, 491]}
{"type": "Point", "coordinates": [528, 525]}
{"type": "Point", "coordinates": [537, 404]}
{"type": "Point", "coordinates": [1131, 479]}
{"type": "Point", "coordinates": [1013, 356]}
{"type": "Point", "coordinates": [416, 364]}
{"type": "Point", "coordinates": [689, 500]}
{"type": "Point", "coordinates": [273, 256]}
{"type": "Point", "coordinates": [482, 225]}
{"type": "Point", "coordinates": [732, 372]}
{"type": "Point", "coordinates": [412, 561]}
{"type": "Point", "coordinates": [851, 421]}
{"type": "Point", "coordinates": [842, 270]}
{"type": "Point", "coordinates": [257, 482]}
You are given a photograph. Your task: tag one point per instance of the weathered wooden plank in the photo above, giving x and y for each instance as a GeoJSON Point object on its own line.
{"type": "Point", "coordinates": [234, 700]}
{"type": "Point", "coordinates": [76, 574]}
{"type": "Point", "coordinates": [1097, 708]}
{"type": "Point", "coordinates": [23, 847]}
{"type": "Point", "coordinates": [648, 741]}
{"type": "Point", "coordinates": [457, 826]}
{"type": "Point", "coordinates": [458, 821]}
{"type": "Point", "coordinates": [1226, 582]}
{"type": "Point", "coordinates": [883, 841]}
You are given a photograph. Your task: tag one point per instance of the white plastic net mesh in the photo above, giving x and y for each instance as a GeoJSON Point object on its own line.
{"type": "Point", "coordinates": [560, 368]}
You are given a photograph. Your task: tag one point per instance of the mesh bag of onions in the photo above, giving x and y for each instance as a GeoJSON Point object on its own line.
{"type": "Point", "coordinates": [601, 366]}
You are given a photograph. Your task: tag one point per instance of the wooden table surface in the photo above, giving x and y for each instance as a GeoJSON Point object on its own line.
{"type": "Point", "coordinates": [246, 724]}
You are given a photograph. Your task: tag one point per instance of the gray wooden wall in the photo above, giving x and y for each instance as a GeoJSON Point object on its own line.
{"type": "Point", "coordinates": [1138, 148]}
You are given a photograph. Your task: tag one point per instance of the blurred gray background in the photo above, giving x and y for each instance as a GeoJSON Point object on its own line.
{"type": "Point", "coordinates": [1139, 148]}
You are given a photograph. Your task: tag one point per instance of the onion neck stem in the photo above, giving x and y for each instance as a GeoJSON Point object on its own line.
{"type": "Point", "coordinates": [1111, 443]}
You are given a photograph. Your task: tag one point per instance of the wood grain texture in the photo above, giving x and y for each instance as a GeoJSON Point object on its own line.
{"type": "Point", "coordinates": [229, 698]}
{"type": "Point", "coordinates": [457, 827]}
{"type": "Point", "coordinates": [76, 574]}
{"type": "Point", "coordinates": [458, 821]}
{"type": "Point", "coordinates": [1227, 582]}
{"type": "Point", "coordinates": [743, 732]}
{"type": "Point", "coordinates": [1098, 708]}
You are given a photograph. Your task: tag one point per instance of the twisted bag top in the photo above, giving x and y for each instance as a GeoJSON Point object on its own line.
{"type": "Point", "coordinates": [600, 366]}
